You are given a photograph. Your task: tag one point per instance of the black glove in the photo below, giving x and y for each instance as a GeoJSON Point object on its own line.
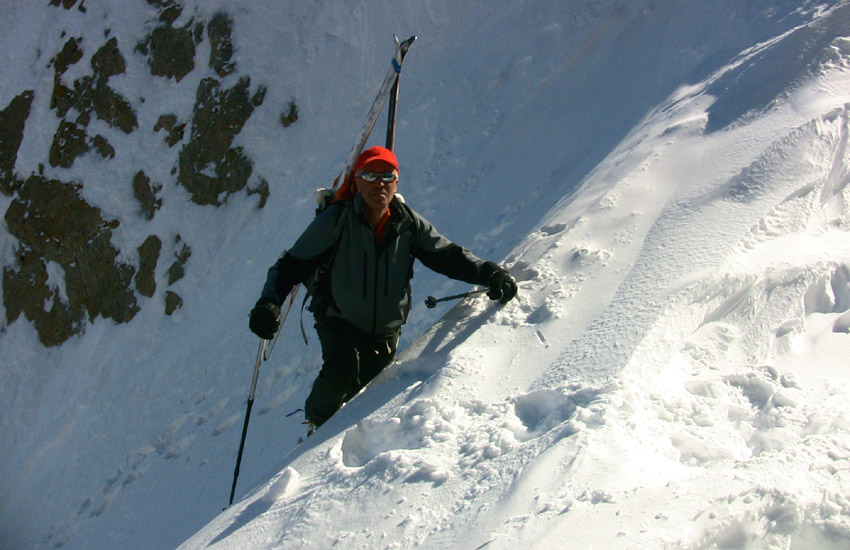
{"type": "Point", "coordinates": [265, 320]}
{"type": "Point", "coordinates": [502, 285]}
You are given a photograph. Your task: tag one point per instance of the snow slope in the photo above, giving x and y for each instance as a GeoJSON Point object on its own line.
{"type": "Point", "coordinates": [667, 180]}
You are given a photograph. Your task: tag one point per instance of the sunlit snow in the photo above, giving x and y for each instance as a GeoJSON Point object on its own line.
{"type": "Point", "coordinates": [668, 182]}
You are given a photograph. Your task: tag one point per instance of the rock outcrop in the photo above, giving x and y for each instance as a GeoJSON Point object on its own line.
{"type": "Point", "coordinates": [66, 270]}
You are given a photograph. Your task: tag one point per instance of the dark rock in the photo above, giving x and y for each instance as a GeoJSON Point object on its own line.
{"type": "Point", "coordinates": [177, 270]}
{"type": "Point", "coordinates": [55, 224]}
{"type": "Point", "coordinates": [173, 302]}
{"type": "Point", "coordinates": [90, 94]}
{"type": "Point", "coordinates": [263, 190]}
{"type": "Point", "coordinates": [288, 118]}
{"type": "Point", "coordinates": [170, 14]}
{"type": "Point", "coordinates": [146, 194]}
{"type": "Point", "coordinates": [12, 121]}
{"type": "Point", "coordinates": [69, 142]}
{"type": "Point", "coordinates": [112, 108]}
{"type": "Point", "coordinates": [68, 4]}
{"type": "Point", "coordinates": [218, 117]}
{"type": "Point", "coordinates": [175, 131]}
{"type": "Point", "coordinates": [170, 10]}
{"type": "Point", "coordinates": [219, 31]}
{"type": "Point", "coordinates": [25, 290]}
{"type": "Point", "coordinates": [170, 51]}
{"type": "Point", "coordinates": [71, 53]}
{"type": "Point", "coordinates": [103, 147]}
{"type": "Point", "coordinates": [108, 61]}
{"type": "Point", "coordinates": [78, 97]}
{"type": "Point", "coordinates": [148, 258]}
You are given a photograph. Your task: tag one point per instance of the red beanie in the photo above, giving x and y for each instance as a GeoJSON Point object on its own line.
{"type": "Point", "coordinates": [373, 154]}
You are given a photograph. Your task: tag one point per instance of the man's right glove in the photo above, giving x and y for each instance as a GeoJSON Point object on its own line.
{"type": "Point", "coordinates": [502, 285]}
{"type": "Point", "coordinates": [265, 320]}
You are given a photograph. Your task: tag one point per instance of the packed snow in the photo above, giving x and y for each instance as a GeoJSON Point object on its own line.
{"type": "Point", "coordinates": [668, 182]}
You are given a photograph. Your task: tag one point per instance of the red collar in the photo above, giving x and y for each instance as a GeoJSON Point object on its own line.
{"type": "Point", "coordinates": [379, 231]}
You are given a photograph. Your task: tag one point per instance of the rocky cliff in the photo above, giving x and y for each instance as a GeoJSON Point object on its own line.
{"type": "Point", "coordinates": [67, 269]}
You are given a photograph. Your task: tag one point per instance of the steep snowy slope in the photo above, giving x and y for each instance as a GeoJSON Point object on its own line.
{"type": "Point", "coordinates": [674, 374]}
{"type": "Point", "coordinates": [668, 181]}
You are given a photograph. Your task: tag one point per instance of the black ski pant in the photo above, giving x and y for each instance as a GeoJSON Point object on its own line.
{"type": "Point", "coordinates": [351, 359]}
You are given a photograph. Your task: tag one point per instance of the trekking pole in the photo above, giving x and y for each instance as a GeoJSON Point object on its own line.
{"type": "Point", "coordinates": [247, 418]}
{"type": "Point", "coordinates": [432, 302]}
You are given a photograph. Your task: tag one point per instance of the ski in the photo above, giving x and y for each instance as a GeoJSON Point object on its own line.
{"type": "Point", "coordinates": [384, 91]}
{"type": "Point", "coordinates": [287, 305]}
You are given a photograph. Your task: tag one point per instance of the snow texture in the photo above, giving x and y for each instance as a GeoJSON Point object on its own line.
{"type": "Point", "coordinates": [668, 182]}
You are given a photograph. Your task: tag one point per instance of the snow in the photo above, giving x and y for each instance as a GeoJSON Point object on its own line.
{"type": "Point", "coordinates": [668, 182]}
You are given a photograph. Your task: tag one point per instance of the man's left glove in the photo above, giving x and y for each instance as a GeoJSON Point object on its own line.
{"type": "Point", "coordinates": [502, 285]}
{"type": "Point", "coordinates": [265, 320]}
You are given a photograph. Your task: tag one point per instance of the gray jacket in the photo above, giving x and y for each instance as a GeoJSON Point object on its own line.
{"type": "Point", "coordinates": [368, 283]}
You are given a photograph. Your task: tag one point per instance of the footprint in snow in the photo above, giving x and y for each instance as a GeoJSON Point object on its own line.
{"type": "Point", "coordinates": [415, 427]}
{"type": "Point", "coordinates": [543, 410]}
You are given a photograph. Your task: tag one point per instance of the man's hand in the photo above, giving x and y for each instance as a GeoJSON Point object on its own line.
{"type": "Point", "coordinates": [502, 285]}
{"type": "Point", "coordinates": [265, 320]}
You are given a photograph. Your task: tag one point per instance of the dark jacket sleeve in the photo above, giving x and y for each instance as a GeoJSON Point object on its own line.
{"type": "Point", "coordinates": [285, 274]}
{"type": "Point", "coordinates": [439, 254]}
{"type": "Point", "coordinates": [308, 253]}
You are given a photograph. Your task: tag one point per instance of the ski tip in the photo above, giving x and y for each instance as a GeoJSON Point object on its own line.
{"type": "Point", "coordinates": [407, 43]}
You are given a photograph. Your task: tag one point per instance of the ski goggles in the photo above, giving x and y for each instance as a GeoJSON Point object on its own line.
{"type": "Point", "coordinates": [386, 177]}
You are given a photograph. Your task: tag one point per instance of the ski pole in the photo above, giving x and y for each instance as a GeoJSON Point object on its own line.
{"type": "Point", "coordinates": [247, 418]}
{"type": "Point", "coordinates": [432, 302]}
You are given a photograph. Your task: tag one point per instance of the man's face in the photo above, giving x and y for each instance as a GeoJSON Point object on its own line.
{"type": "Point", "coordinates": [377, 194]}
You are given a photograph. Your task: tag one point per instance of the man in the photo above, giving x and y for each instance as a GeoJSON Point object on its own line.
{"type": "Point", "coordinates": [367, 239]}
